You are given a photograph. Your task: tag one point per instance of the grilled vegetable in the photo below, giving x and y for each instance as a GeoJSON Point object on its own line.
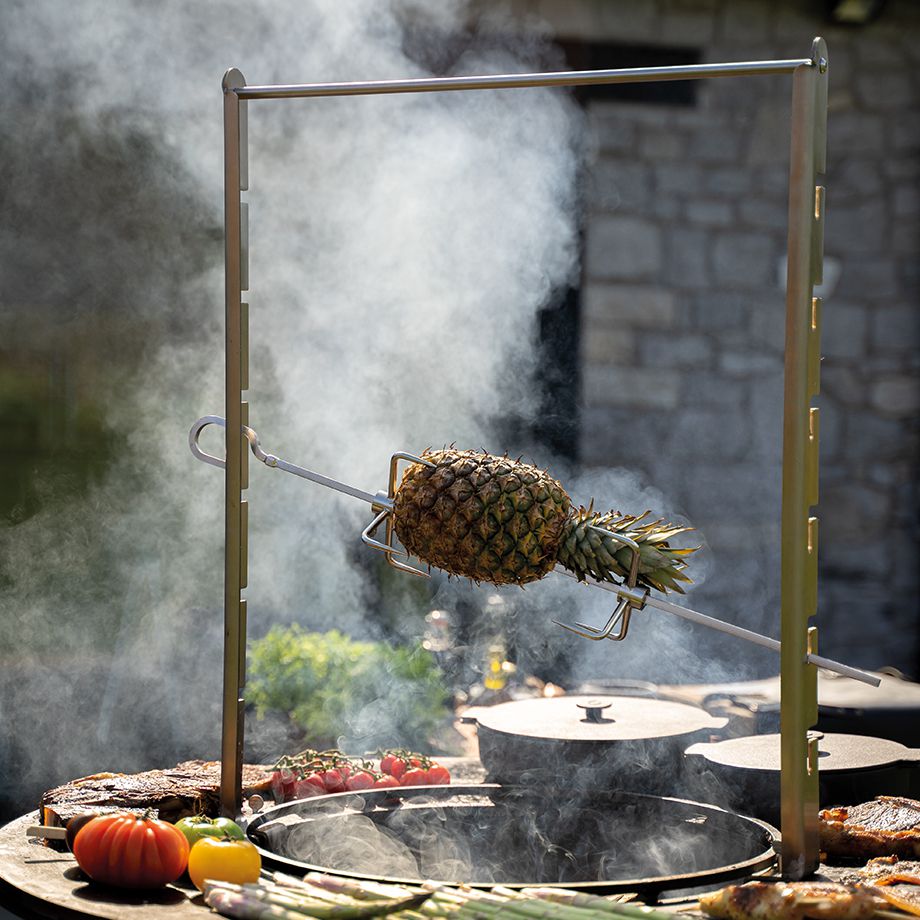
{"type": "Point", "coordinates": [501, 521]}
{"type": "Point", "coordinates": [131, 851]}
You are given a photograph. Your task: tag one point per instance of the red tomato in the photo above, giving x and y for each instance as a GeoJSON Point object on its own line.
{"type": "Point", "coordinates": [311, 784]}
{"type": "Point", "coordinates": [131, 851]}
{"type": "Point", "coordinates": [414, 777]}
{"type": "Point", "coordinates": [438, 775]}
{"type": "Point", "coordinates": [398, 767]}
{"type": "Point", "coordinates": [332, 780]}
{"type": "Point", "coordinates": [386, 782]}
{"type": "Point", "coordinates": [363, 779]}
{"type": "Point", "coordinates": [386, 763]}
{"type": "Point", "coordinates": [283, 784]}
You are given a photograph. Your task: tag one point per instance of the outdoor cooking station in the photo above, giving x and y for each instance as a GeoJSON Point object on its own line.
{"type": "Point", "coordinates": [36, 875]}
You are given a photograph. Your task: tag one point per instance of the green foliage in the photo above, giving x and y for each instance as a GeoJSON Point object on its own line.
{"type": "Point", "coordinates": [353, 694]}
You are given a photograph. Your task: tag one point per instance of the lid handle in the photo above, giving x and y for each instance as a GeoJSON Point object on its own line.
{"type": "Point", "coordinates": [594, 710]}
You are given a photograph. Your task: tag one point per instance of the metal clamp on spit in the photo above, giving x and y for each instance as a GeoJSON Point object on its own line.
{"type": "Point", "coordinates": [522, 496]}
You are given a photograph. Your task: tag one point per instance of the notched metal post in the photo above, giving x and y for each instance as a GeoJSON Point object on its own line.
{"type": "Point", "coordinates": [236, 464]}
{"type": "Point", "coordinates": [798, 704]}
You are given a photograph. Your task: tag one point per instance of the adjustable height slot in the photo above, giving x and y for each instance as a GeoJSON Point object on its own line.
{"type": "Point", "coordinates": [817, 238]}
{"type": "Point", "coordinates": [244, 346]}
{"type": "Point", "coordinates": [244, 246]}
{"type": "Point", "coordinates": [814, 348]}
{"type": "Point", "coordinates": [811, 466]}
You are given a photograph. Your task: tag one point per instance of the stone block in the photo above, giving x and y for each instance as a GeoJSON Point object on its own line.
{"type": "Point", "coordinates": [905, 133]}
{"type": "Point", "coordinates": [860, 229]}
{"type": "Point", "coordinates": [626, 19]}
{"type": "Point", "coordinates": [623, 247]}
{"type": "Point", "coordinates": [606, 345]}
{"type": "Point", "coordinates": [901, 168]}
{"type": "Point", "coordinates": [715, 145]}
{"type": "Point", "coordinates": [620, 437]}
{"type": "Point", "coordinates": [610, 132]}
{"type": "Point", "coordinates": [895, 328]}
{"type": "Point", "coordinates": [856, 133]}
{"type": "Point", "coordinates": [773, 181]}
{"type": "Point", "coordinates": [629, 305]}
{"type": "Point", "coordinates": [896, 395]}
{"type": "Point", "coordinates": [661, 143]}
{"type": "Point", "coordinates": [870, 278]}
{"type": "Point", "coordinates": [855, 176]}
{"type": "Point", "coordinates": [688, 258]}
{"type": "Point", "coordinates": [874, 52]}
{"type": "Point", "coordinates": [768, 324]}
{"type": "Point", "coordinates": [682, 351]}
{"type": "Point", "coordinates": [683, 178]}
{"type": "Point", "coordinates": [745, 21]}
{"type": "Point", "coordinates": [854, 511]}
{"type": "Point", "coordinates": [744, 260]}
{"type": "Point", "coordinates": [906, 235]}
{"type": "Point", "coordinates": [714, 391]}
{"type": "Point", "coordinates": [718, 312]}
{"type": "Point", "coordinates": [665, 207]}
{"type": "Point", "coordinates": [709, 213]}
{"type": "Point", "coordinates": [750, 363]}
{"type": "Point", "coordinates": [706, 432]}
{"type": "Point", "coordinates": [619, 185]}
{"type": "Point", "coordinates": [683, 24]}
{"type": "Point", "coordinates": [767, 140]}
{"type": "Point", "coordinates": [872, 438]}
{"type": "Point", "coordinates": [765, 409]}
{"type": "Point", "coordinates": [764, 214]}
{"type": "Point", "coordinates": [845, 558]}
{"type": "Point", "coordinates": [843, 382]}
{"type": "Point", "coordinates": [728, 181]}
{"type": "Point", "coordinates": [631, 387]}
{"type": "Point", "coordinates": [738, 490]}
{"type": "Point", "coordinates": [830, 430]}
{"type": "Point", "coordinates": [884, 89]}
{"type": "Point", "coordinates": [844, 329]}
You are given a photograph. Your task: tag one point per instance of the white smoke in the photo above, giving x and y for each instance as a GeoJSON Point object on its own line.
{"type": "Point", "coordinates": [401, 249]}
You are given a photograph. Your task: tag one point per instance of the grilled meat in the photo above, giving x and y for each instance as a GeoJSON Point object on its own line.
{"type": "Point", "coordinates": [896, 880]}
{"type": "Point", "coordinates": [886, 826]}
{"type": "Point", "coordinates": [189, 788]}
{"type": "Point", "coordinates": [790, 901]}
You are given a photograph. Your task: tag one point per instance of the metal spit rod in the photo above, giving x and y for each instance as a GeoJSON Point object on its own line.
{"type": "Point", "coordinates": [639, 599]}
{"type": "Point", "coordinates": [522, 80]}
{"type": "Point", "coordinates": [738, 632]}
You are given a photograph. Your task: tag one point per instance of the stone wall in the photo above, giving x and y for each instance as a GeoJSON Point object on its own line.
{"type": "Point", "coordinates": [682, 315]}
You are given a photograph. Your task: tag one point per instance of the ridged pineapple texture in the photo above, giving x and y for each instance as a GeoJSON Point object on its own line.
{"type": "Point", "coordinates": [497, 520]}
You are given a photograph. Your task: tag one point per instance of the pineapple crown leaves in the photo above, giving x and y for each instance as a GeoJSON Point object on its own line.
{"type": "Point", "coordinates": [592, 545]}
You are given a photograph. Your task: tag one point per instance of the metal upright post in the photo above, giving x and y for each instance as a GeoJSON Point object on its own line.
{"type": "Point", "coordinates": [798, 704]}
{"type": "Point", "coordinates": [236, 259]}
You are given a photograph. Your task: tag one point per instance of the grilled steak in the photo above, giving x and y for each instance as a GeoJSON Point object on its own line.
{"type": "Point", "coordinates": [189, 788]}
{"type": "Point", "coordinates": [886, 826]}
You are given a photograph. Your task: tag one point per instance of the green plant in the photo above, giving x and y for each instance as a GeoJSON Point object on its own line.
{"type": "Point", "coordinates": [345, 692]}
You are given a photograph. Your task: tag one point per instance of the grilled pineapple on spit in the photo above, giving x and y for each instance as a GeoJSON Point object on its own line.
{"type": "Point", "coordinates": [498, 520]}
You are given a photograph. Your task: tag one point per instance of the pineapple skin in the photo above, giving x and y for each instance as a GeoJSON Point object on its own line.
{"type": "Point", "coordinates": [488, 518]}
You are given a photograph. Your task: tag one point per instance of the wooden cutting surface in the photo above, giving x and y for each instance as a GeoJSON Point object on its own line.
{"type": "Point", "coordinates": [37, 881]}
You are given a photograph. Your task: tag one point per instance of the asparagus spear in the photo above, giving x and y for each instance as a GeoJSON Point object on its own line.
{"type": "Point", "coordinates": [276, 896]}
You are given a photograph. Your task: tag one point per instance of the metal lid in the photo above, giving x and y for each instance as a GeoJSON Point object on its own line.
{"type": "Point", "coordinates": [595, 719]}
{"type": "Point", "coordinates": [835, 752]}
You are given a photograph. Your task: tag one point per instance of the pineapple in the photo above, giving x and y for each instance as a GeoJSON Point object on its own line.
{"type": "Point", "coordinates": [501, 521]}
